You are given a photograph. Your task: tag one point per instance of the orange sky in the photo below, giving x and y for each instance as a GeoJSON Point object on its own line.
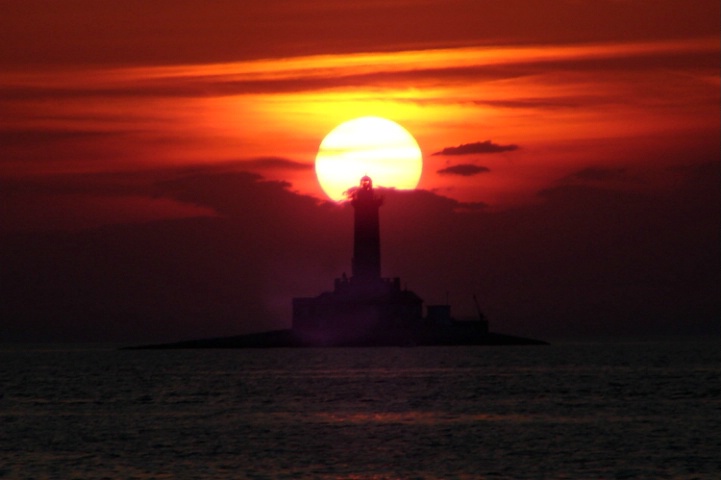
{"type": "Point", "coordinates": [621, 95]}
{"type": "Point", "coordinates": [109, 106]}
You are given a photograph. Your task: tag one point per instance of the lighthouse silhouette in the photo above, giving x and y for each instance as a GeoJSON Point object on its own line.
{"type": "Point", "coordinates": [365, 307]}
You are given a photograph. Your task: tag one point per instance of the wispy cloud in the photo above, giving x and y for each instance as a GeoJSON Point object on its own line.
{"type": "Point", "coordinates": [476, 147]}
{"type": "Point", "coordinates": [464, 170]}
{"type": "Point", "coordinates": [304, 73]}
{"type": "Point", "coordinates": [274, 163]}
{"type": "Point", "coordinates": [598, 174]}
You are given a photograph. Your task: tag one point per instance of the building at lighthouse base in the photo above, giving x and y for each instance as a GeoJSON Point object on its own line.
{"type": "Point", "coordinates": [357, 311]}
{"type": "Point", "coordinates": [378, 313]}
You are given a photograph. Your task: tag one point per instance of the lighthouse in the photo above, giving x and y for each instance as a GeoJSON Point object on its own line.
{"type": "Point", "coordinates": [366, 262]}
{"type": "Point", "coordinates": [365, 308]}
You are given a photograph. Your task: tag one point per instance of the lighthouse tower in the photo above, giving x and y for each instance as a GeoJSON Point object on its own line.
{"type": "Point", "coordinates": [366, 262]}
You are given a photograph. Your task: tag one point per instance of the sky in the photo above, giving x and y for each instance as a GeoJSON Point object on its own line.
{"type": "Point", "coordinates": [157, 174]}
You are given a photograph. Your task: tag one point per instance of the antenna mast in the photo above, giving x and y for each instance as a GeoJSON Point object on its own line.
{"type": "Point", "coordinates": [481, 317]}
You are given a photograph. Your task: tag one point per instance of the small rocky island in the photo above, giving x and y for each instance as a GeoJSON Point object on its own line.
{"type": "Point", "coordinates": [365, 309]}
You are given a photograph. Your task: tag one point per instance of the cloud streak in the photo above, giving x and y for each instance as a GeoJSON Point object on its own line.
{"type": "Point", "coordinates": [274, 163]}
{"type": "Point", "coordinates": [598, 174]}
{"type": "Point", "coordinates": [317, 72]}
{"type": "Point", "coordinates": [476, 147]}
{"type": "Point", "coordinates": [464, 170]}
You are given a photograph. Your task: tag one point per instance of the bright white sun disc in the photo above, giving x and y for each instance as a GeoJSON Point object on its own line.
{"type": "Point", "coordinates": [372, 146]}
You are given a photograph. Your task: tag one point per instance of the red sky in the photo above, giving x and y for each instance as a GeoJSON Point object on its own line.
{"type": "Point", "coordinates": [156, 161]}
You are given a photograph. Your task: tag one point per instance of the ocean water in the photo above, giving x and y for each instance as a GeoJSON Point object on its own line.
{"type": "Point", "coordinates": [567, 411]}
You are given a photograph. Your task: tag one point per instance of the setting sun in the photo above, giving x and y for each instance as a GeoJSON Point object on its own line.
{"type": "Point", "coordinates": [371, 146]}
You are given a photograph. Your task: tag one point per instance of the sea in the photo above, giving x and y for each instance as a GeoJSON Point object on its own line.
{"type": "Point", "coordinates": [570, 410]}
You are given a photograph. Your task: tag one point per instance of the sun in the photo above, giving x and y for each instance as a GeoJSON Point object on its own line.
{"type": "Point", "coordinates": [373, 146]}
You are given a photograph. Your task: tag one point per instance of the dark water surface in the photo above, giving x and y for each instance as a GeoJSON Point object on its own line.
{"type": "Point", "coordinates": [568, 411]}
